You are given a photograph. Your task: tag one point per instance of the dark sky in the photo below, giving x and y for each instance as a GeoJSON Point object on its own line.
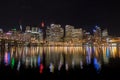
{"type": "Point", "coordinates": [80, 13]}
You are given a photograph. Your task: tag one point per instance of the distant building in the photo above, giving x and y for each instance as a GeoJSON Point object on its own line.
{"type": "Point", "coordinates": [27, 29]}
{"type": "Point", "coordinates": [1, 30]}
{"type": "Point", "coordinates": [40, 38]}
{"type": "Point", "coordinates": [97, 35]}
{"type": "Point", "coordinates": [77, 34]}
{"type": "Point", "coordinates": [97, 32]}
{"type": "Point", "coordinates": [54, 33]}
{"type": "Point", "coordinates": [68, 33]}
{"type": "Point", "coordinates": [34, 34]}
{"type": "Point", "coordinates": [34, 30]}
{"type": "Point", "coordinates": [104, 33]}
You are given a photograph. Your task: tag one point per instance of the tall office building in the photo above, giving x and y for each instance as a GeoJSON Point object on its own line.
{"type": "Point", "coordinates": [40, 38]}
{"type": "Point", "coordinates": [34, 30]}
{"type": "Point", "coordinates": [97, 32]}
{"type": "Point", "coordinates": [68, 33]}
{"type": "Point", "coordinates": [97, 35]}
{"type": "Point", "coordinates": [54, 33]}
{"type": "Point", "coordinates": [21, 28]}
{"type": "Point", "coordinates": [77, 35]}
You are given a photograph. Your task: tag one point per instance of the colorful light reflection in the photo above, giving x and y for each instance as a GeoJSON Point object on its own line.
{"type": "Point", "coordinates": [7, 58]}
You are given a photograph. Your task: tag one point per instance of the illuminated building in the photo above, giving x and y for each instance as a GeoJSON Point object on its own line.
{"type": "Point", "coordinates": [54, 33]}
{"type": "Point", "coordinates": [97, 32]}
{"type": "Point", "coordinates": [76, 35]}
{"type": "Point", "coordinates": [97, 35]}
{"type": "Point", "coordinates": [104, 33]}
{"type": "Point", "coordinates": [68, 33]}
{"type": "Point", "coordinates": [1, 31]}
{"type": "Point", "coordinates": [105, 36]}
{"type": "Point", "coordinates": [40, 31]}
{"type": "Point", "coordinates": [14, 34]}
{"type": "Point", "coordinates": [87, 37]}
{"type": "Point", "coordinates": [27, 34]}
{"type": "Point", "coordinates": [27, 29]}
{"type": "Point", "coordinates": [34, 30]}
{"type": "Point", "coordinates": [33, 35]}
{"type": "Point", "coordinates": [37, 35]}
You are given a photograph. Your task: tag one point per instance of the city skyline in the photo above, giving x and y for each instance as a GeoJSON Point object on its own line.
{"type": "Point", "coordinates": [42, 25]}
{"type": "Point", "coordinates": [82, 13]}
{"type": "Point", "coordinates": [55, 34]}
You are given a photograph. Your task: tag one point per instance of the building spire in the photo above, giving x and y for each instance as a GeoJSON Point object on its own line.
{"type": "Point", "coordinates": [20, 24]}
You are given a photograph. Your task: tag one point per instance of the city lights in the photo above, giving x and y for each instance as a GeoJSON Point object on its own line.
{"type": "Point", "coordinates": [57, 35]}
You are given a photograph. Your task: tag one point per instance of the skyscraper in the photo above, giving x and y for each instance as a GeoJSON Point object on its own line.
{"type": "Point", "coordinates": [54, 33]}
{"type": "Point", "coordinates": [68, 33]}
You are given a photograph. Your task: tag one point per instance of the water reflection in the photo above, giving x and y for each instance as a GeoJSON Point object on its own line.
{"type": "Point", "coordinates": [7, 58]}
{"type": "Point", "coordinates": [97, 65]}
{"type": "Point", "coordinates": [18, 65]}
{"type": "Point", "coordinates": [57, 57]}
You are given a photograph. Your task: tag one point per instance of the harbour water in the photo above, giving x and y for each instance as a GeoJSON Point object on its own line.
{"type": "Point", "coordinates": [58, 63]}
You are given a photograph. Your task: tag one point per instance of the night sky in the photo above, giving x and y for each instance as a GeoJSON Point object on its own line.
{"type": "Point", "coordinates": [79, 13]}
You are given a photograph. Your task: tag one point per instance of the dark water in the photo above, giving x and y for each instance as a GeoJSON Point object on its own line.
{"type": "Point", "coordinates": [59, 63]}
